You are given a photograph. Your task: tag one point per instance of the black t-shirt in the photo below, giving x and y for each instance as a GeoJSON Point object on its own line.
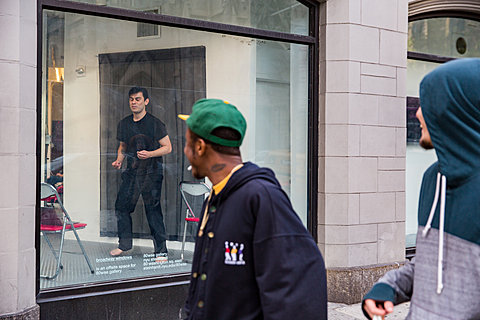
{"type": "Point", "coordinates": [140, 135]}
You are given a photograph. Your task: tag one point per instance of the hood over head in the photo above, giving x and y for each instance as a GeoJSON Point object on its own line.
{"type": "Point", "coordinates": [450, 102]}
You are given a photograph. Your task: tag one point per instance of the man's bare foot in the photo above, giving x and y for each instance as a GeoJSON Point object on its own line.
{"type": "Point", "coordinates": [116, 252]}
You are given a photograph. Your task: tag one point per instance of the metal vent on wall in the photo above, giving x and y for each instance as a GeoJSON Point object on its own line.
{"type": "Point", "coordinates": [148, 29]}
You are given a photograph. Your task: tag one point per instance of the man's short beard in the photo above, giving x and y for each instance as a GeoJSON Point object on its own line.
{"type": "Point", "coordinates": [427, 145]}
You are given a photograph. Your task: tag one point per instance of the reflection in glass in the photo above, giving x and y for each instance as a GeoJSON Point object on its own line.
{"type": "Point", "coordinates": [90, 64]}
{"type": "Point", "coordinates": [441, 36]}
{"type": "Point", "coordinates": [416, 70]}
{"type": "Point", "coordinates": [418, 161]}
{"type": "Point", "coordinates": [289, 16]}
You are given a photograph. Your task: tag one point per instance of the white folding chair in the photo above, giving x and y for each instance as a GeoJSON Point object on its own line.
{"type": "Point", "coordinates": [194, 189]}
{"type": "Point", "coordinates": [47, 191]}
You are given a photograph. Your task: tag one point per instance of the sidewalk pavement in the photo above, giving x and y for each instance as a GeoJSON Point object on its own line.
{"type": "Point", "coordinates": [339, 311]}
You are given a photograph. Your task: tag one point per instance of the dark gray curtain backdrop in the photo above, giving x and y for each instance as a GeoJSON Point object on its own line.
{"type": "Point", "coordinates": [175, 79]}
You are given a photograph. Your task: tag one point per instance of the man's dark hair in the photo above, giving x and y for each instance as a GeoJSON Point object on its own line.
{"type": "Point", "coordinates": [134, 90]}
{"type": "Point", "coordinates": [224, 133]}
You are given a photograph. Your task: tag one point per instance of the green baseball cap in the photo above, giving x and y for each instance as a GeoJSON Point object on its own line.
{"type": "Point", "coordinates": [210, 114]}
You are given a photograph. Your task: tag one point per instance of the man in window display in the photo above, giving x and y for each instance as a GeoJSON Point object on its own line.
{"type": "Point", "coordinates": [443, 280]}
{"type": "Point", "coordinates": [253, 257]}
{"type": "Point", "coordinates": [143, 141]}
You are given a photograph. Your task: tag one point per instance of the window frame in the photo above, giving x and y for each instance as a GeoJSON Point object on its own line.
{"type": "Point", "coordinates": [312, 41]}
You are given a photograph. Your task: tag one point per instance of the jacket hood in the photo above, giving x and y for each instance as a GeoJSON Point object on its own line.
{"type": "Point", "coordinates": [450, 102]}
{"type": "Point", "coordinates": [248, 172]}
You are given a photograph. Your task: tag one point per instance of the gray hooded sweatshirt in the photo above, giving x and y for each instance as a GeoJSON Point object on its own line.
{"type": "Point", "coordinates": [443, 280]}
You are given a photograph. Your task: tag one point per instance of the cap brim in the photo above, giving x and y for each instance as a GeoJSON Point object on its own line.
{"type": "Point", "coordinates": [184, 117]}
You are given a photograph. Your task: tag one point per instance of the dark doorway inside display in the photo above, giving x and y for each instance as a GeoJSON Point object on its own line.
{"type": "Point", "coordinates": [175, 78]}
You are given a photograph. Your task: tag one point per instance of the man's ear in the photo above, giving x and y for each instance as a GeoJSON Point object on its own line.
{"type": "Point", "coordinates": [200, 147]}
{"type": "Point", "coordinates": [147, 101]}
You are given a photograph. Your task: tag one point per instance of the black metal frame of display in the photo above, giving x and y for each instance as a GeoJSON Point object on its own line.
{"type": "Point", "coordinates": [419, 56]}
{"type": "Point", "coordinates": [46, 296]}
{"type": "Point", "coordinates": [171, 21]}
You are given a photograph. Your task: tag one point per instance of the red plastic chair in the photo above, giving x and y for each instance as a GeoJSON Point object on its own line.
{"type": "Point", "coordinates": [65, 224]}
{"type": "Point", "coordinates": [194, 189]}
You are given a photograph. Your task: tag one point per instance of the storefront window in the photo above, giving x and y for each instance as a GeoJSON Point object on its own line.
{"type": "Point", "coordinates": [90, 65]}
{"type": "Point", "coordinates": [288, 16]}
{"type": "Point", "coordinates": [433, 41]}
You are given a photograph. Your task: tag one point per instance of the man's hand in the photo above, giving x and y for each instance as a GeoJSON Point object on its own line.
{"type": "Point", "coordinates": [379, 308]}
{"type": "Point", "coordinates": [117, 164]}
{"type": "Point", "coordinates": [144, 154]}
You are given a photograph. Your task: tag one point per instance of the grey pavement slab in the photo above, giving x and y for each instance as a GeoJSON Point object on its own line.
{"type": "Point", "coordinates": [339, 311]}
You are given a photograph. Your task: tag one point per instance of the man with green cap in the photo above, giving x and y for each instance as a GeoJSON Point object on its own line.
{"type": "Point", "coordinates": [253, 257]}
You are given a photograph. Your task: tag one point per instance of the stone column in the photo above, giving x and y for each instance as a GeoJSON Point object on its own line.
{"type": "Point", "coordinates": [18, 58]}
{"type": "Point", "coordinates": [362, 134]}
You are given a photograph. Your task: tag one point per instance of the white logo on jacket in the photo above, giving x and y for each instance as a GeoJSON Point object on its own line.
{"type": "Point", "coordinates": [234, 253]}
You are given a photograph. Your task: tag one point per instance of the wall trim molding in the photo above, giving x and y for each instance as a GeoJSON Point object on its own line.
{"type": "Point", "coordinates": [421, 7]}
{"type": "Point", "coordinates": [349, 284]}
{"type": "Point", "coordinates": [32, 313]}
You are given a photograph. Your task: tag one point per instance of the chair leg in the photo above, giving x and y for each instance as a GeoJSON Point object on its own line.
{"type": "Point", "coordinates": [59, 257]}
{"type": "Point", "coordinates": [52, 249]}
{"type": "Point", "coordinates": [83, 249]}
{"type": "Point", "coordinates": [184, 238]}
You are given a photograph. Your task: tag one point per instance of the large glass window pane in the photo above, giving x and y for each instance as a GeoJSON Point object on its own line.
{"type": "Point", "coordinates": [288, 16]}
{"type": "Point", "coordinates": [90, 64]}
{"type": "Point", "coordinates": [448, 37]}
{"type": "Point", "coordinates": [418, 159]}
{"type": "Point", "coordinates": [416, 70]}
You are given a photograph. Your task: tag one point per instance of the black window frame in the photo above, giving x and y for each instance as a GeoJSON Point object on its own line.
{"type": "Point", "coordinates": [312, 41]}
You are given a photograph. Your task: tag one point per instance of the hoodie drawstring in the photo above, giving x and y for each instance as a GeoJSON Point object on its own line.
{"type": "Point", "coordinates": [441, 184]}
{"type": "Point", "coordinates": [441, 229]}
{"type": "Point", "coordinates": [434, 207]}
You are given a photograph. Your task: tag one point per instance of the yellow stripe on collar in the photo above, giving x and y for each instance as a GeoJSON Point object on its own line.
{"type": "Point", "coordinates": [219, 186]}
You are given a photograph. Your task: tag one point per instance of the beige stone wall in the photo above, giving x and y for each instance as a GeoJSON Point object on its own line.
{"type": "Point", "coordinates": [362, 132]}
{"type": "Point", "coordinates": [17, 155]}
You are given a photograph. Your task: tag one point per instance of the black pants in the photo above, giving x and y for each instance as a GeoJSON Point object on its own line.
{"type": "Point", "coordinates": [148, 183]}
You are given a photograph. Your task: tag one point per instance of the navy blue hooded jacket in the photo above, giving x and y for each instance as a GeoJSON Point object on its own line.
{"type": "Point", "coordinates": [255, 259]}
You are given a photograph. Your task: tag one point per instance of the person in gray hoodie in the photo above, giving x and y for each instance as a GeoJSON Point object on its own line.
{"type": "Point", "coordinates": [443, 280]}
